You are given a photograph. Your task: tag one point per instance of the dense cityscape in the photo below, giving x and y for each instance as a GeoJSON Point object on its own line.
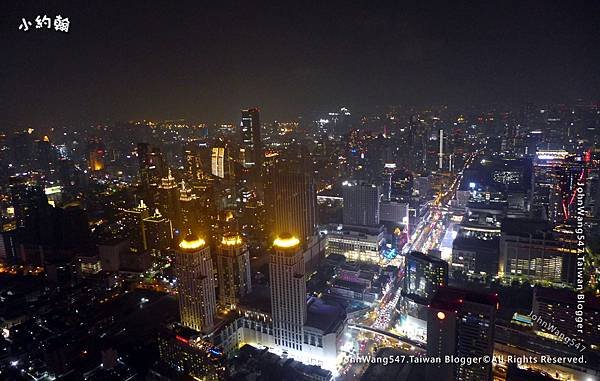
{"type": "Point", "coordinates": [389, 241]}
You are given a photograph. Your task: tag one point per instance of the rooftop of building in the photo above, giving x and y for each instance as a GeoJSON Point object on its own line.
{"type": "Point", "coordinates": [192, 242]}
{"type": "Point", "coordinates": [286, 241]}
{"type": "Point", "coordinates": [525, 227]}
{"type": "Point", "coordinates": [348, 285]}
{"type": "Point", "coordinates": [342, 229]}
{"type": "Point", "coordinates": [451, 298]}
{"type": "Point", "coordinates": [424, 257]}
{"type": "Point", "coordinates": [472, 243]}
{"type": "Point", "coordinates": [324, 316]}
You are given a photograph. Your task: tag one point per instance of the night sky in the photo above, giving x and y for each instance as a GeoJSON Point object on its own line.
{"type": "Point", "coordinates": [202, 61]}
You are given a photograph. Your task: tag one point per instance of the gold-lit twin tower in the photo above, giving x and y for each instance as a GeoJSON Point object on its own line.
{"type": "Point", "coordinates": [195, 283]}
{"type": "Point", "coordinates": [233, 264]}
{"type": "Point", "coordinates": [288, 292]}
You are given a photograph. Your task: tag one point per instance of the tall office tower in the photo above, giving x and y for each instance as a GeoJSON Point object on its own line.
{"type": "Point", "coordinates": [143, 153]}
{"type": "Point", "coordinates": [43, 154]}
{"type": "Point", "coordinates": [196, 284]}
{"type": "Point", "coordinates": [288, 292]}
{"type": "Point", "coordinates": [95, 155]}
{"type": "Point", "coordinates": [134, 221]}
{"type": "Point", "coordinates": [361, 203]}
{"type": "Point", "coordinates": [424, 276]}
{"type": "Point", "coordinates": [9, 247]}
{"type": "Point", "coordinates": [441, 151]}
{"type": "Point", "coordinates": [233, 264]}
{"type": "Point", "coordinates": [220, 162]}
{"type": "Point", "coordinates": [169, 200]}
{"type": "Point", "coordinates": [196, 155]}
{"type": "Point", "coordinates": [22, 149]}
{"type": "Point", "coordinates": [460, 323]}
{"type": "Point", "coordinates": [251, 150]}
{"type": "Point", "coordinates": [556, 310]}
{"type": "Point", "coordinates": [159, 231]}
{"type": "Point", "coordinates": [152, 167]}
{"type": "Point", "coordinates": [190, 208]}
{"type": "Point", "coordinates": [293, 199]}
{"type": "Point", "coordinates": [24, 198]}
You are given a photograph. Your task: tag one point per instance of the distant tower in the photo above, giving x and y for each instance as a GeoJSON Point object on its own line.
{"type": "Point", "coordinates": [220, 162]}
{"type": "Point", "coordinates": [134, 221]}
{"type": "Point", "coordinates": [233, 263]}
{"type": "Point", "coordinates": [294, 203]}
{"type": "Point", "coordinates": [169, 199]}
{"type": "Point", "coordinates": [189, 208]}
{"type": "Point", "coordinates": [251, 143]}
{"type": "Point", "coordinates": [195, 283]}
{"type": "Point", "coordinates": [441, 153]}
{"type": "Point", "coordinates": [288, 292]}
{"type": "Point", "coordinates": [461, 323]}
{"type": "Point", "coordinates": [158, 231]}
{"type": "Point", "coordinates": [96, 152]}
{"type": "Point", "coordinates": [361, 203]}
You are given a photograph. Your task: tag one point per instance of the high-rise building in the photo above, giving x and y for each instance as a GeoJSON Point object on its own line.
{"type": "Point", "coordinates": [441, 151]}
{"type": "Point", "coordinates": [233, 264]}
{"type": "Point", "coordinates": [185, 351]}
{"type": "Point", "coordinates": [361, 203]}
{"type": "Point", "coordinates": [169, 200]}
{"type": "Point", "coordinates": [195, 284]}
{"type": "Point", "coordinates": [159, 231]}
{"type": "Point", "coordinates": [152, 167]}
{"type": "Point", "coordinates": [190, 208]}
{"type": "Point", "coordinates": [558, 313]}
{"type": "Point", "coordinates": [196, 156]}
{"type": "Point", "coordinates": [251, 150]}
{"type": "Point", "coordinates": [460, 323]}
{"type": "Point", "coordinates": [143, 152]}
{"type": "Point", "coordinates": [24, 198]}
{"type": "Point", "coordinates": [220, 162]}
{"type": "Point", "coordinates": [288, 292]}
{"type": "Point", "coordinates": [532, 249]}
{"type": "Point", "coordinates": [293, 200]}
{"type": "Point", "coordinates": [95, 155]}
{"type": "Point", "coordinates": [134, 222]}
{"type": "Point", "coordinates": [424, 276]}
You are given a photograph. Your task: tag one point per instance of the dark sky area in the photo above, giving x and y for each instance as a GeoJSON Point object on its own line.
{"type": "Point", "coordinates": [206, 60]}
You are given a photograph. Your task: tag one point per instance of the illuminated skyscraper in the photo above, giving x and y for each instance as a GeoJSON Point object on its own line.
{"type": "Point", "coordinates": [169, 200]}
{"type": "Point", "coordinates": [96, 152]}
{"type": "Point", "coordinates": [251, 150]}
{"type": "Point", "coordinates": [220, 162]}
{"type": "Point", "coordinates": [159, 231]}
{"type": "Point", "coordinates": [233, 263]}
{"type": "Point", "coordinates": [134, 221]}
{"type": "Point", "coordinates": [424, 275]}
{"type": "Point", "coordinates": [288, 292]}
{"type": "Point", "coordinates": [190, 207]}
{"type": "Point", "coordinates": [461, 323]}
{"type": "Point", "coordinates": [361, 203]}
{"type": "Point", "coordinates": [195, 283]}
{"type": "Point", "coordinates": [293, 198]}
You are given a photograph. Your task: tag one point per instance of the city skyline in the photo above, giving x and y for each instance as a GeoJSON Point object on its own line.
{"type": "Point", "coordinates": [300, 191]}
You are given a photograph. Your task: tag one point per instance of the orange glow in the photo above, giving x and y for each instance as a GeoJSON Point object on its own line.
{"type": "Point", "coordinates": [441, 315]}
{"type": "Point", "coordinates": [286, 242]}
{"type": "Point", "coordinates": [191, 245]}
{"type": "Point", "coordinates": [231, 240]}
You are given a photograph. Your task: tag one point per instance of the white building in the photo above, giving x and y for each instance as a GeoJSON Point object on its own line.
{"type": "Point", "coordinates": [195, 283]}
